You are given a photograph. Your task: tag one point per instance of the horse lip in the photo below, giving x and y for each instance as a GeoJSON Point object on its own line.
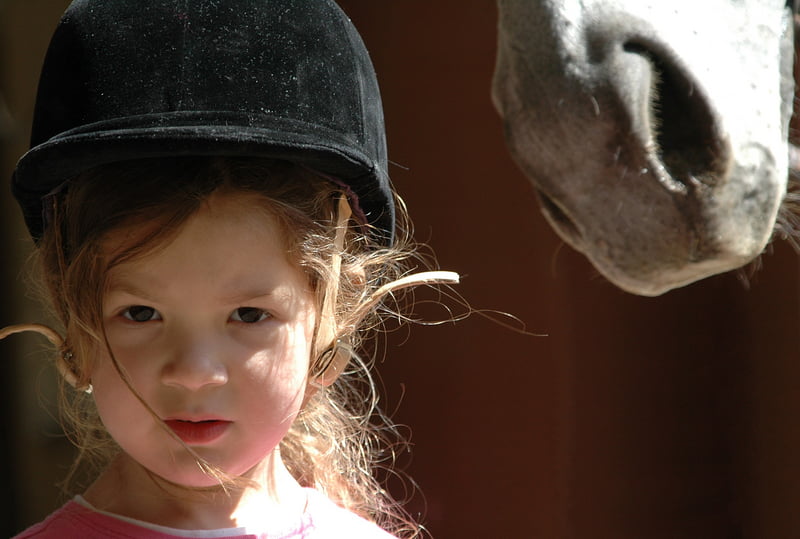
{"type": "Point", "coordinates": [560, 220]}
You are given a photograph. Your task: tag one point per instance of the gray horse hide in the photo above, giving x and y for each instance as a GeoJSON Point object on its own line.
{"type": "Point", "coordinates": [655, 132]}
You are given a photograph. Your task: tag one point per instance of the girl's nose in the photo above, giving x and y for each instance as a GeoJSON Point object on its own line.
{"type": "Point", "coordinates": [195, 365]}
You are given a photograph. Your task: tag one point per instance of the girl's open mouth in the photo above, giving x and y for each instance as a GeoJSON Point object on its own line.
{"type": "Point", "coordinates": [198, 432]}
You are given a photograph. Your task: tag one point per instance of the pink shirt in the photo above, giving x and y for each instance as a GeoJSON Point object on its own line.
{"type": "Point", "coordinates": [322, 520]}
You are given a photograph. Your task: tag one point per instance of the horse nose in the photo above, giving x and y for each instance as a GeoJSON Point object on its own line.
{"type": "Point", "coordinates": [680, 122]}
{"type": "Point", "coordinates": [644, 80]}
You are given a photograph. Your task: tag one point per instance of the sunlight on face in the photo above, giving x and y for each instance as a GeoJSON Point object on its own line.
{"type": "Point", "coordinates": [214, 332]}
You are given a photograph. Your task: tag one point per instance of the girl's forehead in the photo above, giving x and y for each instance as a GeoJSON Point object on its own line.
{"type": "Point", "coordinates": [237, 213]}
{"type": "Point", "coordinates": [231, 243]}
{"type": "Point", "coordinates": [238, 206]}
{"type": "Point", "coordinates": [224, 209]}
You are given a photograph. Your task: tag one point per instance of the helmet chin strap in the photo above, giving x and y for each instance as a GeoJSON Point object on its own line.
{"type": "Point", "coordinates": [332, 354]}
{"type": "Point", "coordinates": [62, 362]}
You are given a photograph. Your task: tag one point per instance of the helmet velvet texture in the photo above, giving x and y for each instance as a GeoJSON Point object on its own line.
{"type": "Point", "coordinates": [282, 79]}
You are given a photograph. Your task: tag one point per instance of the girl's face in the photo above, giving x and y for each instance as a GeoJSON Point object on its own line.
{"type": "Point", "coordinates": [214, 331]}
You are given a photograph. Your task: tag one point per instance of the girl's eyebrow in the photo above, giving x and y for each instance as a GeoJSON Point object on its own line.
{"type": "Point", "coordinates": [252, 295]}
{"type": "Point", "coordinates": [118, 286]}
{"type": "Point", "coordinates": [237, 296]}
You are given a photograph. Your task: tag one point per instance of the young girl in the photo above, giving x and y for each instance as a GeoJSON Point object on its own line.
{"type": "Point", "coordinates": [207, 190]}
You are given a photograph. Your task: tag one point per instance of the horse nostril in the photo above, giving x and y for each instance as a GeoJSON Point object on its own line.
{"type": "Point", "coordinates": [687, 141]}
{"type": "Point", "coordinates": [559, 219]}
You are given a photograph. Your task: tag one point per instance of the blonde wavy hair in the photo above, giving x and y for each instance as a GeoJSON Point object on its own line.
{"type": "Point", "coordinates": [340, 437]}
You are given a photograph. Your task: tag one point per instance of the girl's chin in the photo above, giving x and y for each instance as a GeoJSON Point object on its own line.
{"type": "Point", "coordinates": [192, 475]}
{"type": "Point", "coordinates": [212, 481]}
{"type": "Point", "coordinates": [177, 466]}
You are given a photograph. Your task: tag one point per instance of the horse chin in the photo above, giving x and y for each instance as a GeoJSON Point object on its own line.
{"type": "Point", "coordinates": [655, 285]}
{"type": "Point", "coordinates": [646, 229]}
{"type": "Point", "coordinates": [669, 239]}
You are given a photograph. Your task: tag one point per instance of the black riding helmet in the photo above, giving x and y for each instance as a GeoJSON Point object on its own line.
{"type": "Point", "coordinates": [282, 79]}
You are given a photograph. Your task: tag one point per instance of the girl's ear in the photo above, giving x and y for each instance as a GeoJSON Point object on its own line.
{"type": "Point", "coordinates": [332, 363]}
{"type": "Point", "coordinates": [356, 275]}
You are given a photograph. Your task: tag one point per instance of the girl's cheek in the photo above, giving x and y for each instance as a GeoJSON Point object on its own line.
{"type": "Point", "coordinates": [131, 352]}
{"type": "Point", "coordinates": [123, 334]}
{"type": "Point", "coordinates": [266, 336]}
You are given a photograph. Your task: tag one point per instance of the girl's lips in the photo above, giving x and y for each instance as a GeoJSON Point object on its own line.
{"type": "Point", "coordinates": [198, 432]}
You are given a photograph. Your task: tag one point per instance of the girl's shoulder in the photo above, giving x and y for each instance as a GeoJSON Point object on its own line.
{"type": "Point", "coordinates": [325, 519]}
{"type": "Point", "coordinates": [69, 522]}
{"type": "Point", "coordinates": [77, 521]}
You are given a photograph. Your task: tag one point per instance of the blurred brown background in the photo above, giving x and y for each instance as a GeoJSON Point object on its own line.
{"type": "Point", "coordinates": [634, 418]}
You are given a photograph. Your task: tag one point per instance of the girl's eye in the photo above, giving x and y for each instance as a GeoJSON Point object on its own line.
{"type": "Point", "coordinates": [141, 313]}
{"type": "Point", "coordinates": [249, 315]}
